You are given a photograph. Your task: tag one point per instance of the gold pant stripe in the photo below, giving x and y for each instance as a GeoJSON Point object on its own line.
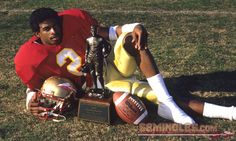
{"type": "Point", "coordinates": [119, 73]}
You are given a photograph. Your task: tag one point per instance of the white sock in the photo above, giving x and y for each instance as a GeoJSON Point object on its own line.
{"type": "Point", "coordinates": [216, 111]}
{"type": "Point", "coordinates": [167, 107]}
{"type": "Point", "coordinates": [157, 84]}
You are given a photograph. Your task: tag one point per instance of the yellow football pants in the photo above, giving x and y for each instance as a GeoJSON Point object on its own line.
{"type": "Point", "coordinates": [119, 73]}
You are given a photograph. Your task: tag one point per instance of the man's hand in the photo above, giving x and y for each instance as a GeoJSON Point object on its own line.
{"type": "Point", "coordinates": [140, 36]}
{"type": "Point", "coordinates": [32, 104]}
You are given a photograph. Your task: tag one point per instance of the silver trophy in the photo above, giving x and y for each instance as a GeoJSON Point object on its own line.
{"type": "Point", "coordinates": [97, 49]}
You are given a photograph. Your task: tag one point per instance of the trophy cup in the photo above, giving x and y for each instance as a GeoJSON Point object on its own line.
{"type": "Point", "coordinates": [97, 104]}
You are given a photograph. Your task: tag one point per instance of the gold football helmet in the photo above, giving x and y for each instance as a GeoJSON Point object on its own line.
{"type": "Point", "coordinates": [55, 97]}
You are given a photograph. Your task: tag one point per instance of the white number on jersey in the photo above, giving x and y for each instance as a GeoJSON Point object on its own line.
{"type": "Point", "coordinates": [68, 53]}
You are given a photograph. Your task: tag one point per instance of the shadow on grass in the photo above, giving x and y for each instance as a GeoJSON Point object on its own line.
{"type": "Point", "coordinates": [222, 83]}
{"type": "Point", "coordinates": [213, 82]}
{"type": "Point", "coordinates": [2, 134]}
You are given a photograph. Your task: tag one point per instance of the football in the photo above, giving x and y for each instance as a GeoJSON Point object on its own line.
{"type": "Point", "coordinates": [129, 107]}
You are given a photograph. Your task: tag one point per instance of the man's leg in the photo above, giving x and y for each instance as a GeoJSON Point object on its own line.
{"type": "Point", "coordinates": [119, 82]}
{"type": "Point", "coordinates": [167, 107]}
{"type": "Point", "coordinates": [210, 110]}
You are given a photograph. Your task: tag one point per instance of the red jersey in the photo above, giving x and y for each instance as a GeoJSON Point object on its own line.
{"type": "Point", "coordinates": [36, 62]}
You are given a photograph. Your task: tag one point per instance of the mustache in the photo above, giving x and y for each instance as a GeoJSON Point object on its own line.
{"type": "Point", "coordinates": [55, 36]}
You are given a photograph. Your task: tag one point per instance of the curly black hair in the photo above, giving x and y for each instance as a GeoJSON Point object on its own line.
{"type": "Point", "coordinates": [41, 14]}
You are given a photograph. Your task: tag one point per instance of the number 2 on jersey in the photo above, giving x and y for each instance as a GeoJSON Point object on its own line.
{"type": "Point", "coordinates": [68, 53]}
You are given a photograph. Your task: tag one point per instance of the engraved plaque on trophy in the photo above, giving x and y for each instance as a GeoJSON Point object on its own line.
{"type": "Point", "coordinates": [96, 110]}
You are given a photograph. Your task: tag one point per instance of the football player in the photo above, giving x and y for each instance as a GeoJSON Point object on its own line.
{"type": "Point", "coordinates": [58, 47]}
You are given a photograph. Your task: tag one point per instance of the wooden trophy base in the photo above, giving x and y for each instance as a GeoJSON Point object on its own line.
{"type": "Point", "coordinates": [96, 109]}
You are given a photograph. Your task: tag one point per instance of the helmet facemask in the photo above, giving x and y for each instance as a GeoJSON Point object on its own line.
{"type": "Point", "coordinates": [56, 96]}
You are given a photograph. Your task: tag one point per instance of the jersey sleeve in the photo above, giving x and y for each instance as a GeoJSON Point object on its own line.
{"type": "Point", "coordinates": [83, 15]}
{"type": "Point", "coordinates": [26, 62]}
{"type": "Point", "coordinates": [76, 21]}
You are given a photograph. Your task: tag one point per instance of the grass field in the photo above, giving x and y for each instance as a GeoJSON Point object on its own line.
{"type": "Point", "coordinates": [193, 42]}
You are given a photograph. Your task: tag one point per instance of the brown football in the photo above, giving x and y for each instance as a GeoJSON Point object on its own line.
{"type": "Point", "coordinates": [129, 107]}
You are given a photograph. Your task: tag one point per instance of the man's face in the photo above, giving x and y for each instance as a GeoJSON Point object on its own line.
{"type": "Point", "coordinates": [49, 32]}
